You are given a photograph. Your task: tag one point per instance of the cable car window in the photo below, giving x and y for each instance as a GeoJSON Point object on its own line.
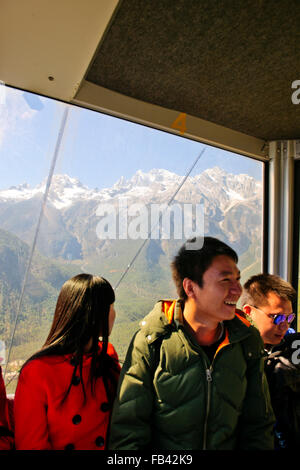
{"type": "Point", "coordinates": [82, 191]}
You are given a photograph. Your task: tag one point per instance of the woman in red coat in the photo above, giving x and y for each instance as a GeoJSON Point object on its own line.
{"type": "Point", "coordinates": [66, 390]}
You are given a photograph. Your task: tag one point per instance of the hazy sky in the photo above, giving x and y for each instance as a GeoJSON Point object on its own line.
{"type": "Point", "coordinates": [97, 149]}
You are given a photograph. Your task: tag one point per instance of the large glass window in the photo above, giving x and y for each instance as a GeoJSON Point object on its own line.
{"type": "Point", "coordinates": [81, 191]}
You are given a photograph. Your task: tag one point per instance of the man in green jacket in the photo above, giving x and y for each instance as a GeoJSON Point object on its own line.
{"type": "Point", "coordinates": [193, 376]}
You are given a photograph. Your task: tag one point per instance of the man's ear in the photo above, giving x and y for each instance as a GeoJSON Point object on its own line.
{"type": "Point", "coordinates": [247, 309]}
{"type": "Point", "coordinates": [188, 286]}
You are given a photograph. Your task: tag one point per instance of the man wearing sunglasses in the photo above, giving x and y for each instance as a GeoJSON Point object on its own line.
{"type": "Point", "coordinates": [268, 301]}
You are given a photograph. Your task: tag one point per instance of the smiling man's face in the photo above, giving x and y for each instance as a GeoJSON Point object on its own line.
{"type": "Point", "coordinates": [221, 289]}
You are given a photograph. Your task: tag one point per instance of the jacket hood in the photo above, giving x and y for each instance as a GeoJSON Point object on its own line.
{"type": "Point", "coordinates": [156, 324]}
{"type": "Point", "coordinates": [167, 316]}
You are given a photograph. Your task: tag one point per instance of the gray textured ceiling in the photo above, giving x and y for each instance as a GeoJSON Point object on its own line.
{"type": "Point", "coordinates": [228, 62]}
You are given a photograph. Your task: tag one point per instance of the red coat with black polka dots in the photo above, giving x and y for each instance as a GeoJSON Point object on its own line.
{"type": "Point", "coordinates": [43, 422]}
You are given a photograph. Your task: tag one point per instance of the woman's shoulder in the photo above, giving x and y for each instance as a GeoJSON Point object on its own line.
{"type": "Point", "coordinates": [41, 364]}
{"type": "Point", "coordinates": [111, 351]}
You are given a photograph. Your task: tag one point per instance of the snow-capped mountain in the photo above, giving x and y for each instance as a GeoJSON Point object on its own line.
{"type": "Point", "coordinates": [63, 192]}
{"type": "Point", "coordinates": [156, 185]}
{"type": "Point", "coordinates": [232, 207]}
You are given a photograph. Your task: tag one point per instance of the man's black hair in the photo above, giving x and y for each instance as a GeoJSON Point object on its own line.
{"type": "Point", "coordinates": [192, 263]}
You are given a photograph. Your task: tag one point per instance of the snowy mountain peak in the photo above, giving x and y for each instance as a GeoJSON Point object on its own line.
{"type": "Point", "coordinates": [19, 187]}
{"type": "Point", "coordinates": [61, 182]}
{"type": "Point", "coordinates": [64, 190]}
{"type": "Point", "coordinates": [158, 185]}
{"type": "Point", "coordinates": [141, 178]}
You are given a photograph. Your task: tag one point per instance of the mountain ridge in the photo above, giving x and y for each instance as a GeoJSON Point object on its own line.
{"type": "Point", "coordinates": [65, 190]}
{"type": "Point", "coordinates": [70, 218]}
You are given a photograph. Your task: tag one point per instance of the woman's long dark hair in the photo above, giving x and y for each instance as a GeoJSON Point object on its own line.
{"type": "Point", "coordinates": [82, 314]}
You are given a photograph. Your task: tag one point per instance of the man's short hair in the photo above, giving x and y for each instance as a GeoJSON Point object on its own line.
{"type": "Point", "coordinates": [257, 288]}
{"type": "Point", "coordinates": [193, 263]}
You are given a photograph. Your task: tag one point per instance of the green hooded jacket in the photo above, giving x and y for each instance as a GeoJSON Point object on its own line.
{"type": "Point", "coordinates": [171, 397]}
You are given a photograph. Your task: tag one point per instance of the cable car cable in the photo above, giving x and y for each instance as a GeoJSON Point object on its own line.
{"type": "Point", "coordinates": [151, 229]}
{"type": "Point", "coordinates": [50, 175]}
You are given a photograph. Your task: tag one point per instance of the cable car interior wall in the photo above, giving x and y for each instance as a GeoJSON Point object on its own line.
{"type": "Point", "coordinates": [193, 76]}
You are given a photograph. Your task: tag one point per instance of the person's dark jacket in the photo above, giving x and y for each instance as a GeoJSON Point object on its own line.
{"type": "Point", "coordinates": [282, 367]}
